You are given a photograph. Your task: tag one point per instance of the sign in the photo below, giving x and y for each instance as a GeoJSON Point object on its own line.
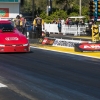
{"type": "Point", "coordinates": [68, 43]}
{"type": "Point", "coordinates": [48, 41]}
{"type": "Point", "coordinates": [95, 33]}
{"type": "Point", "coordinates": [87, 47]}
{"type": "Point", "coordinates": [4, 12]}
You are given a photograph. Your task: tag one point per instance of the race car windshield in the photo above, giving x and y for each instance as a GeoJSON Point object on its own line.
{"type": "Point", "coordinates": [6, 26]}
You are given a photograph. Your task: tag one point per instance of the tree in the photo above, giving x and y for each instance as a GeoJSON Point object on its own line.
{"type": "Point", "coordinates": [27, 7]}
{"type": "Point", "coordinates": [71, 7]}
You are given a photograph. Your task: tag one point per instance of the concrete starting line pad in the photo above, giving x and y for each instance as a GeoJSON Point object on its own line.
{"type": "Point", "coordinates": [67, 50]}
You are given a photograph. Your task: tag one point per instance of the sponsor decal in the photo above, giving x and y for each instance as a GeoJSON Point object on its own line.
{"type": "Point", "coordinates": [90, 46]}
{"type": "Point", "coordinates": [11, 38]}
{"type": "Point", "coordinates": [95, 33]}
{"type": "Point", "coordinates": [45, 40]}
{"type": "Point", "coordinates": [48, 41]}
{"type": "Point", "coordinates": [4, 12]}
{"type": "Point", "coordinates": [67, 43]}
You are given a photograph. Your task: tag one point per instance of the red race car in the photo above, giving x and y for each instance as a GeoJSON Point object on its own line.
{"type": "Point", "coordinates": [11, 40]}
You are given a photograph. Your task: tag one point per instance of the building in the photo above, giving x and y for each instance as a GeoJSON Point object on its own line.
{"type": "Point", "coordinates": [9, 8]}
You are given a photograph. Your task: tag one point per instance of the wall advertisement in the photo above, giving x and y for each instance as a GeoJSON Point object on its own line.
{"type": "Point", "coordinates": [4, 12]}
{"type": "Point", "coordinates": [88, 47]}
{"type": "Point", "coordinates": [68, 43]}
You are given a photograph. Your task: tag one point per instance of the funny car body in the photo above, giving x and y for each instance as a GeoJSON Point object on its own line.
{"type": "Point", "coordinates": [12, 40]}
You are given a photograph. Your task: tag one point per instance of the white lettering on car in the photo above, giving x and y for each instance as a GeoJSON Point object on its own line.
{"type": "Point", "coordinates": [11, 38]}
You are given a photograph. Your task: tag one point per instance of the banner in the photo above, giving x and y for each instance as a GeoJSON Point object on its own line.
{"type": "Point", "coordinates": [95, 33]}
{"type": "Point", "coordinates": [4, 12]}
{"type": "Point", "coordinates": [68, 43]}
{"type": "Point", "coordinates": [48, 41]}
{"type": "Point", "coordinates": [87, 47]}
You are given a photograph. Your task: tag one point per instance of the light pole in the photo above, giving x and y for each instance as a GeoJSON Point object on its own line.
{"type": "Point", "coordinates": [49, 7]}
{"type": "Point", "coordinates": [80, 7]}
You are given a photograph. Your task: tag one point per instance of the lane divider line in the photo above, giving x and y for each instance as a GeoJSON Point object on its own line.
{"type": "Point", "coordinates": [2, 85]}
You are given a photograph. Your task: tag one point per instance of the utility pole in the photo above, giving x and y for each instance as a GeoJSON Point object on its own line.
{"type": "Point", "coordinates": [80, 7]}
{"type": "Point", "coordinates": [49, 7]}
{"type": "Point", "coordinates": [32, 9]}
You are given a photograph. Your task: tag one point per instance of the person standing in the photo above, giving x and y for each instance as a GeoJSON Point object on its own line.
{"type": "Point", "coordinates": [22, 24]}
{"type": "Point", "coordinates": [62, 21]}
{"type": "Point", "coordinates": [76, 22]}
{"type": "Point", "coordinates": [59, 25]}
{"type": "Point", "coordinates": [67, 21]}
{"type": "Point", "coordinates": [38, 23]}
{"type": "Point", "coordinates": [17, 22]}
{"type": "Point", "coordinates": [90, 26]}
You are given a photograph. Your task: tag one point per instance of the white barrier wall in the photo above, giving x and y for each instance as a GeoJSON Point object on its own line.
{"type": "Point", "coordinates": [13, 9]}
{"type": "Point", "coordinates": [73, 29]}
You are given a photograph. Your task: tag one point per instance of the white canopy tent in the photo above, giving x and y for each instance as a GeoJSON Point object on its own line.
{"type": "Point", "coordinates": [77, 17]}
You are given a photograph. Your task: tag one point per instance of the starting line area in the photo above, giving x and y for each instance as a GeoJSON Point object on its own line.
{"type": "Point", "coordinates": [67, 44]}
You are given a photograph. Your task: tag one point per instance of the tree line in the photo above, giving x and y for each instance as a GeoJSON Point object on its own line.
{"type": "Point", "coordinates": [60, 8]}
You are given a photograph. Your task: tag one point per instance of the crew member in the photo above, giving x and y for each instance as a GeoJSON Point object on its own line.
{"type": "Point", "coordinates": [38, 23]}
{"type": "Point", "coordinates": [22, 24]}
{"type": "Point", "coordinates": [17, 22]}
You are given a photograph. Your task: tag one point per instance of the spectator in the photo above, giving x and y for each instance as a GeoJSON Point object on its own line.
{"type": "Point", "coordinates": [62, 21]}
{"type": "Point", "coordinates": [59, 25]}
{"type": "Point", "coordinates": [17, 22]}
{"type": "Point", "coordinates": [70, 23]}
{"type": "Point", "coordinates": [76, 22]}
{"type": "Point", "coordinates": [67, 21]}
{"type": "Point", "coordinates": [22, 24]}
{"type": "Point", "coordinates": [81, 22]}
{"type": "Point", "coordinates": [90, 26]}
{"type": "Point", "coordinates": [38, 23]}
{"type": "Point", "coordinates": [54, 21]}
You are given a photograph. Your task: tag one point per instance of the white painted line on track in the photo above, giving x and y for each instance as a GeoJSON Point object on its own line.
{"type": "Point", "coordinates": [66, 52]}
{"type": "Point", "coordinates": [2, 85]}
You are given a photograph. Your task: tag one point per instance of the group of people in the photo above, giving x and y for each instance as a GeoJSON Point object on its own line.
{"type": "Point", "coordinates": [20, 23]}
{"type": "Point", "coordinates": [59, 23]}
{"type": "Point", "coordinates": [38, 22]}
{"type": "Point", "coordinates": [68, 22]}
{"type": "Point", "coordinates": [77, 22]}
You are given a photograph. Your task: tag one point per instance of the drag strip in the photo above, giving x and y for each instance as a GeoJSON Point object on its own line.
{"type": "Point", "coordinates": [49, 75]}
{"type": "Point", "coordinates": [66, 50]}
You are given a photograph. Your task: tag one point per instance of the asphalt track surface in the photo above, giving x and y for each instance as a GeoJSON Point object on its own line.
{"type": "Point", "coordinates": [67, 50]}
{"type": "Point", "coordinates": [49, 73]}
